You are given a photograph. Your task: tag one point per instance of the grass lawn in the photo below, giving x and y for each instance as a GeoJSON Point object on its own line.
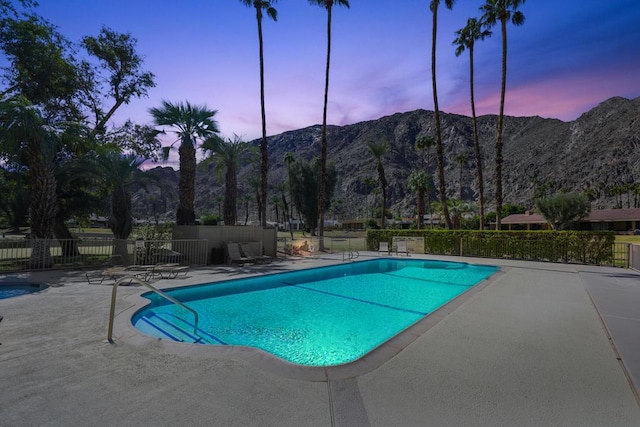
{"type": "Point", "coordinates": [627, 239]}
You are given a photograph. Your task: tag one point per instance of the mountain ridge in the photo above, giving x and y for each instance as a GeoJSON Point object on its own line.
{"type": "Point", "coordinates": [599, 149]}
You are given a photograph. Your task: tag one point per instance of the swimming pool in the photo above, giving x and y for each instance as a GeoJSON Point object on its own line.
{"type": "Point", "coordinates": [317, 317]}
{"type": "Point", "coordinates": [9, 290]}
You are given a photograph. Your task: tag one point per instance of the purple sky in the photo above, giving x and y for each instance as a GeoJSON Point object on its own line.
{"type": "Point", "coordinates": [569, 56]}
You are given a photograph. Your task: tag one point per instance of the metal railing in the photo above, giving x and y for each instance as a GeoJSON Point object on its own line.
{"type": "Point", "coordinates": [39, 254]}
{"type": "Point", "coordinates": [154, 289]}
{"type": "Point", "coordinates": [616, 255]}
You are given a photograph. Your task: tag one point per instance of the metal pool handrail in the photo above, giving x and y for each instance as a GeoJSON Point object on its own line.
{"type": "Point", "coordinates": [154, 289]}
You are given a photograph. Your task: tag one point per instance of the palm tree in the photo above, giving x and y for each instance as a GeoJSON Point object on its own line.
{"type": "Point", "coordinates": [228, 154]}
{"type": "Point", "coordinates": [439, 152]}
{"type": "Point", "coordinates": [24, 132]}
{"type": "Point", "coordinates": [289, 159]}
{"type": "Point", "coordinates": [322, 182]}
{"type": "Point", "coordinates": [461, 160]}
{"type": "Point", "coordinates": [503, 11]}
{"type": "Point", "coordinates": [118, 172]}
{"type": "Point", "coordinates": [466, 39]}
{"type": "Point", "coordinates": [192, 123]}
{"type": "Point", "coordinates": [424, 144]}
{"type": "Point", "coordinates": [261, 5]}
{"type": "Point", "coordinates": [378, 150]}
{"type": "Point", "coordinates": [419, 182]}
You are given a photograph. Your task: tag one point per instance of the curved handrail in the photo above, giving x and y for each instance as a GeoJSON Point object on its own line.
{"type": "Point", "coordinates": [154, 289]}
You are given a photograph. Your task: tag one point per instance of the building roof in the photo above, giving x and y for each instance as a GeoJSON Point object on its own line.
{"type": "Point", "coordinates": [525, 218]}
{"type": "Point", "coordinates": [614, 215]}
{"type": "Point", "coordinates": [599, 215]}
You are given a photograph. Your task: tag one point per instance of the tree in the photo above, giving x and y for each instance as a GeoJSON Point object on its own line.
{"type": "Point", "coordinates": [289, 159]}
{"type": "Point", "coordinates": [305, 185]}
{"type": "Point", "coordinates": [424, 144]}
{"type": "Point", "coordinates": [118, 172]}
{"type": "Point", "coordinates": [227, 155]}
{"type": "Point", "coordinates": [461, 160]}
{"type": "Point", "coordinates": [458, 210]}
{"type": "Point", "coordinates": [378, 150]}
{"type": "Point", "coordinates": [44, 70]}
{"type": "Point", "coordinates": [191, 123]}
{"type": "Point", "coordinates": [7, 8]}
{"type": "Point", "coordinates": [439, 152]}
{"type": "Point", "coordinates": [322, 180]}
{"type": "Point", "coordinates": [41, 69]}
{"type": "Point", "coordinates": [24, 132]}
{"type": "Point", "coordinates": [466, 39]}
{"type": "Point", "coordinates": [14, 197]}
{"type": "Point", "coordinates": [121, 67]}
{"type": "Point", "coordinates": [502, 11]}
{"type": "Point", "coordinates": [261, 5]}
{"type": "Point", "coordinates": [419, 182]}
{"type": "Point", "coordinates": [562, 210]}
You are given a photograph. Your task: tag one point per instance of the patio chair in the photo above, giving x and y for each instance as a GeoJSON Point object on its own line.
{"type": "Point", "coordinates": [170, 270]}
{"type": "Point", "coordinates": [384, 247]}
{"type": "Point", "coordinates": [402, 247]}
{"type": "Point", "coordinates": [248, 252]}
{"type": "Point", "coordinates": [233, 249]}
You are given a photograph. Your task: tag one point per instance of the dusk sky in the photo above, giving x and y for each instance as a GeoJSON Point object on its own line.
{"type": "Point", "coordinates": [569, 56]}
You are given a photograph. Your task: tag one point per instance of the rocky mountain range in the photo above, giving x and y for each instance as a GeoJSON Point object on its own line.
{"type": "Point", "coordinates": [597, 151]}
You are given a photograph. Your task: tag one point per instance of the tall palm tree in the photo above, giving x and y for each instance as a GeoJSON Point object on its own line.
{"type": "Point", "coordinates": [322, 181]}
{"type": "Point", "coordinates": [492, 12]}
{"type": "Point", "coordinates": [461, 160]}
{"type": "Point", "coordinates": [378, 150]}
{"type": "Point", "coordinates": [439, 153]}
{"type": "Point", "coordinates": [289, 159]}
{"type": "Point", "coordinates": [228, 155]}
{"type": "Point", "coordinates": [466, 39]}
{"type": "Point", "coordinates": [191, 123]}
{"type": "Point", "coordinates": [260, 6]}
{"type": "Point", "coordinates": [23, 132]}
{"type": "Point", "coordinates": [419, 182]}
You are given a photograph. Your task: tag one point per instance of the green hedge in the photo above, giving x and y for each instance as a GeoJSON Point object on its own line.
{"type": "Point", "coordinates": [585, 247]}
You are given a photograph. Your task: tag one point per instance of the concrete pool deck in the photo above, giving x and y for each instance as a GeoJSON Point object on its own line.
{"type": "Point", "coordinates": [529, 348]}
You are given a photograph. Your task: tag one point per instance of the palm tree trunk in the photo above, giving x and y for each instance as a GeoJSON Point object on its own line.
{"type": "Point", "coordinates": [43, 207]}
{"type": "Point", "coordinates": [230, 193]}
{"type": "Point", "coordinates": [186, 184]}
{"type": "Point", "coordinates": [499, 144]}
{"type": "Point", "coordinates": [420, 208]}
{"type": "Point", "coordinates": [323, 146]}
{"type": "Point", "coordinates": [264, 164]}
{"type": "Point", "coordinates": [439, 151]}
{"type": "Point", "coordinates": [476, 142]}
{"type": "Point", "coordinates": [68, 245]}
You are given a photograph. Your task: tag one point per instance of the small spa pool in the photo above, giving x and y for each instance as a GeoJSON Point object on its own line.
{"type": "Point", "coordinates": [317, 317]}
{"type": "Point", "coordinates": [10, 290]}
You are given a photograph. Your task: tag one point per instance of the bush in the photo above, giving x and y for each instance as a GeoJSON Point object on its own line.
{"type": "Point", "coordinates": [586, 247]}
{"type": "Point", "coordinates": [209, 219]}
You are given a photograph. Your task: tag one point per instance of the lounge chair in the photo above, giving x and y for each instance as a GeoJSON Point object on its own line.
{"type": "Point", "coordinates": [384, 247]}
{"type": "Point", "coordinates": [248, 252]}
{"type": "Point", "coordinates": [170, 270]}
{"type": "Point", "coordinates": [233, 250]}
{"type": "Point", "coordinates": [401, 247]}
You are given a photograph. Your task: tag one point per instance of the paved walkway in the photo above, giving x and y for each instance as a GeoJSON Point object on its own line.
{"type": "Point", "coordinates": [529, 348]}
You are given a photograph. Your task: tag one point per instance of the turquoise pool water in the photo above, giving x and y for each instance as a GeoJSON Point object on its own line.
{"type": "Point", "coordinates": [10, 290]}
{"type": "Point", "coordinates": [317, 317]}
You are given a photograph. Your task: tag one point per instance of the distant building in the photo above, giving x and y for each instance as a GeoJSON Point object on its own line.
{"type": "Point", "coordinates": [621, 221]}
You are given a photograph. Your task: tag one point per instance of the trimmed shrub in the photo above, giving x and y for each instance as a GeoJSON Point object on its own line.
{"type": "Point", "coordinates": [584, 247]}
